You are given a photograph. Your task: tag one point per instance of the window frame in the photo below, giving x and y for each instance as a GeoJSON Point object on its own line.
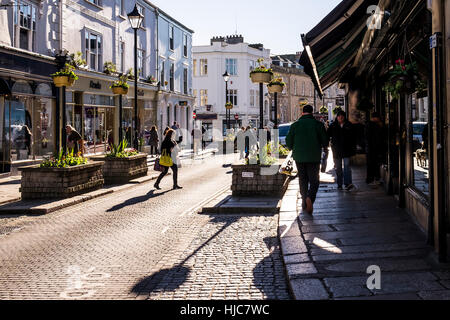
{"type": "Point", "coordinates": [185, 45]}
{"type": "Point", "coordinates": [203, 67]}
{"type": "Point", "coordinates": [231, 67]}
{"type": "Point", "coordinates": [142, 11]}
{"type": "Point", "coordinates": [172, 76]}
{"type": "Point", "coordinates": [171, 37]}
{"type": "Point", "coordinates": [88, 50]}
{"type": "Point", "coordinates": [185, 80]}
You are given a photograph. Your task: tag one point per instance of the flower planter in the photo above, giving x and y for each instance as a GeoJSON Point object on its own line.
{"type": "Point", "coordinates": [229, 107]}
{"type": "Point", "coordinates": [119, 90]}
{"type": "Point", "coordinates": [60, 183]}
{"type": "Point", "coordinates": [261, 77]}
{"type": "Point", "coordinates": [63, 81]}
{"type": "Point", "coordinates": [248, 181]}
{"type": "Point", "coordinates": [276, 88]}
{"type": "Point", "coordinates": [123, 170]}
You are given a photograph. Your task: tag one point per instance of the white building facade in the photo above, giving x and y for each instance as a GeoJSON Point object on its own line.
{"type": "Point", "coordinates": [210, 62]}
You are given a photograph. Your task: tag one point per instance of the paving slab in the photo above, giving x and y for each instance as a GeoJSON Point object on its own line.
{"type": "Point", "coordinates": [349, 232]}
{"type": "Point", "coordinates": [308, 289]}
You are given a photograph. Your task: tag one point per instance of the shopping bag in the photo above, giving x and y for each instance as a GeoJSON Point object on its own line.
{"type": "Point", "coordinates": [158, 166]}
{"type": "Point", "coordinates": [165, 160]}
{"type": "Point", "coordinates": [289, 167]}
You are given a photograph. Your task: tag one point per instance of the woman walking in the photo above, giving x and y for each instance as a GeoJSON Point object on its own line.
{"type": "Point", "coordinates": [153, 141]}
{"type": "Point", "coordinates": [169, 145]}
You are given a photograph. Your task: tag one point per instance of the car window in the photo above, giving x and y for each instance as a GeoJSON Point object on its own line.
{"type": "Point", "coordinates": [418, 129]}
{"type": "Point", "coordinates": [284, 130]}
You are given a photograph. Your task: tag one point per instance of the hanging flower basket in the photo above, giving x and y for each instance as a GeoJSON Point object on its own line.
{"type": "Point", "coordinates": [276, 85]}
{"type": "Point", "coordinates": [65, 77]}
{"type": "Point", "coordinates": [229, 106]}
{"type": "Point", "coordinates": [121, 86]}
{"type": "Point", "coordinates": [261, 77]}
{"type": "Point", "coordinates": [63, 81]}
{"type": "Point", "coordinates": [402, 80]}
{"type": "Point", "coordinates": [119, 90]}
{"type": "Point", "coordinates": [261, 74]}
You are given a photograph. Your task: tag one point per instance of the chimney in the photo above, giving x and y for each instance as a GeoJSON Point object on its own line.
{"type": "Point", "coordinates": [217, 39]}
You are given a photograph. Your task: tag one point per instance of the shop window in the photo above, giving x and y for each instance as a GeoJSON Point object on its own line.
{"type": "Point", "coordinates": [420, 145]}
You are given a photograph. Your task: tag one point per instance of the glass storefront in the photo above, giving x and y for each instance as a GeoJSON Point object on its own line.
{"type": "Point", "coordinates": [93, 117]}
{"type": "Point", "coordinates": [27, 124]}
{"type": "Point", "coordinates": [419, 143]}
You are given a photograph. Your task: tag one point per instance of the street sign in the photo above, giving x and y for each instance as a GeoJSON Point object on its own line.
{"type": "Point", "coordinates": [433, 41]}
{"type": "Point", "coordinates": [183, 103]}
{"type": "Point", "coordinates": [236, 117]}
{"type": "Point", "coordinates": [270, 125]}
{"type": "Point", "coordinates": [194, 115]}
{"type": "Point", "coordinates": [248, 175]}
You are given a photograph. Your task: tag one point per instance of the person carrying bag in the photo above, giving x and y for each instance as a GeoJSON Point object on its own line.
{"type": "Point", "coordinates": [167, 146]}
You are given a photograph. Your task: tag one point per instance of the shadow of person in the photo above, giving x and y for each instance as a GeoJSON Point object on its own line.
{"type": "Point", "coordinates": [136, 200]}
{"type": "Point", "coordinates": [170, 279]}
{"type": "Point", "coordinates": [162, 281]}
{"type": "Point", "coordinates": [268, 274]}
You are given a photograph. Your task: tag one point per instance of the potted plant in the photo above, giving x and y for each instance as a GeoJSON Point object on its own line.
{"type": "Point", "coordinates": [63, 175]}
{"type": "Point", "coordinates": [229, 105]}
{"type": "Point", "coordinates": [123, 164]}
{"type": "Point", "coordinates": [109, 68]}
{"type": "Point", "coordinates": [276, 85]}
{"type": "Point", "coordinates": [66, 77]}
{"type": "Point", "coordinates": [152, 80]}
{"type": "Point", "coordinates": [120, 86]}
{"type": "Point", "coordinates": [402, 79]}
{"type": "Point", "coordinates": [323, 110]}
{"type": "Point", "coordinates": [261, 74]}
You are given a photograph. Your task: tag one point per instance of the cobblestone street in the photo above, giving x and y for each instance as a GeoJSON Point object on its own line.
{"type": "Point", "coordinates": [143, 244]}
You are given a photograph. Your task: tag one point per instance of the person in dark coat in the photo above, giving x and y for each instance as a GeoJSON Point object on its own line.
{"type": "Point", "coordinates": [153, 141]}
{"type": "Point", "coordinates": [306, 138]}
{"type": "Point", "coordinates": [343, 143]}
{"type": "Point", "coordinates": [375, 147]}
{"type": "Point", "coordinates": [168, 145]}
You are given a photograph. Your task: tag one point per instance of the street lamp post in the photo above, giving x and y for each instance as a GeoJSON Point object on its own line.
{"type": "Point", "coordinates": [226, 77]}
{"type": "Point", "coordinates": [135, 19]}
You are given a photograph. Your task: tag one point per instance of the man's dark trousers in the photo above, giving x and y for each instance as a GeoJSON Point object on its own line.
{"type": "Point", "coordinates": [309, 176]}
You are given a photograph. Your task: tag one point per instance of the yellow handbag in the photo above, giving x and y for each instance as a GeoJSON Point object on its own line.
{"type": "Point", "coordinates": [165, 159]}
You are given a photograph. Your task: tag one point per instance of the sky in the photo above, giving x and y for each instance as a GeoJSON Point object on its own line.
{"type": "Point", "coordinates": [277, 24]}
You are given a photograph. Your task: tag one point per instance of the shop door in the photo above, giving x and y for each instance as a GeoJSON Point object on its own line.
{"type": "Point", "coordinates": [19, 125]}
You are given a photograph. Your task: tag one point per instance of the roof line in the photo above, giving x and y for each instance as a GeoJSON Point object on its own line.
{"type": "Point", "coordinates": [168, 16]}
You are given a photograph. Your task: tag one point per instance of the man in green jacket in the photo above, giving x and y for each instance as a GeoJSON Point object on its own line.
{"type": "Point", "coordinates": [306, 138]}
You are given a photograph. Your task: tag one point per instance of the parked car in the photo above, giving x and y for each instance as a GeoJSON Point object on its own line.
{"type": "Point", "coordinates": [284, 130]}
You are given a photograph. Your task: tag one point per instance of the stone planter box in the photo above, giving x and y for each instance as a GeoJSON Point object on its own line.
{"type": "Point", "coordinates": [122, 170]}
{"type": "Point", "coordinates": [248, 181]}
{"type": "Point", "coordinates": [60, 183]}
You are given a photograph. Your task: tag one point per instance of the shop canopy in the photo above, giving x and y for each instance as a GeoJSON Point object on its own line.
{"type": "Point", "coordinates": [332, 46]}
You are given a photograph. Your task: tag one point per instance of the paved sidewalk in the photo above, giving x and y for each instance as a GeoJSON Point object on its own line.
{"type": "Point", "coordinates": [327, 255]}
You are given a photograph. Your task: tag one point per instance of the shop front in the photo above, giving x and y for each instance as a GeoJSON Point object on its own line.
{"type": "Point", "coordinates": [93, 110]}
{"type": "Point", "coordinates": [27, 110]}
